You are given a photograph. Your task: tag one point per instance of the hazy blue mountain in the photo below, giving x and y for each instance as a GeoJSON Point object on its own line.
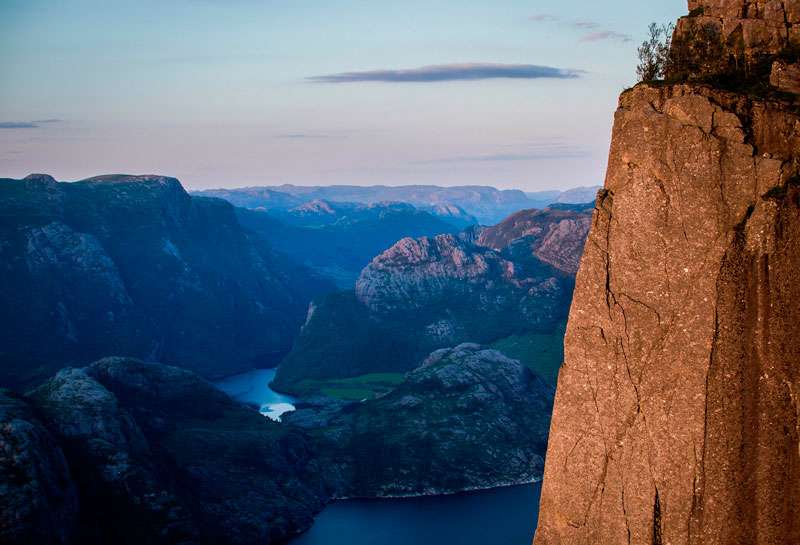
{"type": "Point", "coordinates": [576, 195]}
{"type": "Point", "coordinates": [487, 204]}
{"type": "Point", "coordinates": [339, 239]}
{"type": "Point", "coordinates": [124, 265]}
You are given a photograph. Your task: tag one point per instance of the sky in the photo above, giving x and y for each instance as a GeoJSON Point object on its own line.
{"type": "Point", "coordinates": [231, 93]}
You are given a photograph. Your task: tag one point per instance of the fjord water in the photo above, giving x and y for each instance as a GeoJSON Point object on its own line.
{"type": "Point", "coordinates": [253, 388]}
{"type": "Point", "coordinates": [502, 516]}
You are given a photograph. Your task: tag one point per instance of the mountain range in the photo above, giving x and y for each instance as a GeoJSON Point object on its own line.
{"type": "Point", "coordinates": [487, 204]}
{"type": "Point", "coordinates": [135, 266]}
{"type": "Point", "coordinates": [339, 239]}
{"type": "Point", "coordinates": [446, 338]}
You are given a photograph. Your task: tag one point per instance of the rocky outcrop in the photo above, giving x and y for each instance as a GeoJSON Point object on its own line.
{"type": "Point", "coordinates": [554, 235]}
{"type": "Point", "coordinates": [785, 77]}
{"type": "Point", "coordinates": [432, 292]}
{"type": "Point", "coordinates": [112, 462]}
{"type": "Point", "coordinates": [133, 265]}
{"type": "Point", "coordinates": [158, 455]}
{"type": "Point", "coordinates": [415, 273]}
{"type": "Point", "coordinates": [734, 42]}
{"type": "Point", "coordinates": [467, 418]}
{"type": "Point", "coordinates": [38, 500]}
{"type": "Point", "coordinates": [676, 417]}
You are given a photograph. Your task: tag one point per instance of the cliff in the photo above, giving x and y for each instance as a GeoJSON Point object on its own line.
{"type": "Point", "coordinates": [133, 265]}
{"type": "Point", "coordinates": [676, 417]}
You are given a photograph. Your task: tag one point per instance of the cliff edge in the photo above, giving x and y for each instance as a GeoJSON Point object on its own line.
{"type": "Point", "coordinates": [677, 413]}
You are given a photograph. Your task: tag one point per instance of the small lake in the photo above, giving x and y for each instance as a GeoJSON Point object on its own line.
{"type": "Point", "coordinates": [502, 516]}
{"type": "Point", "coordinates": [253, 388]}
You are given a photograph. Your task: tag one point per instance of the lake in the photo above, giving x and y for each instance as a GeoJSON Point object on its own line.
{"type": "Point", "coordinates": [253, 388]}
{"type": "Point", "coordinates": [501, 516]}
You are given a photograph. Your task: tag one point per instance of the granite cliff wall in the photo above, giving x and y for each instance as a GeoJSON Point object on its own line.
{"type": "Point", "coordinates": [677, 413]}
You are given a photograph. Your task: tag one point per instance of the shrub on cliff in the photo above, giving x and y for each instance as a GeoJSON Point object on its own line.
{"type": "Point", "coordinates": [654, 54]}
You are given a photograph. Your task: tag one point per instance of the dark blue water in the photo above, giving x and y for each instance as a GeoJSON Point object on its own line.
{"type": "Point", "coordinates": [253, 387]}
{"type": "Point", "coordinates": [503, 516]}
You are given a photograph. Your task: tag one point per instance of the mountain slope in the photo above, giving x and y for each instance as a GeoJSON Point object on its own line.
{"type": "Point", "coordinates": [676, 414]}
{"type": "Point", "coordinates": [428, 293]}
{"type": "Point", "coordinates": [158, 455]}
{"type": "Point", "coordinates": [135, 266]}
{"type": "Point", "coordinates": [466, 418]}
{"type": "Point", "coordinates": [340, 239]}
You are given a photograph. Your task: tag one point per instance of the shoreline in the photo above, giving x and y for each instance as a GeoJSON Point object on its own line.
{"type": "Point", "coordinates": [486, 488]}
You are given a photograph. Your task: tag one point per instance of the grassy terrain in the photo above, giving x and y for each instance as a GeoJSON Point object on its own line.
{"type": "Point", "coordinates": [355, 388]}
{"type": "Point", "coordinates": [542, 353]}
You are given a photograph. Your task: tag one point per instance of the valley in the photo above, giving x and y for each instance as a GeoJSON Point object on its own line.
{"type": "Point", "coordinates": [369, 349]}
{"type": "Point", "coordinates": [368, 294]}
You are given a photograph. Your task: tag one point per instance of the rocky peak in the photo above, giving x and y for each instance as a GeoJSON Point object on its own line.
{"type": "Point", "coordinates": [734, 38]}
{"type": "Point", "coordinates": [467, 418]}
{"type": "Point", "coordinates": [555, 236]}
{"type": "Point", "coordinates": [317, 206]}
{"type": "Point", "coordinates": [408, 273]}
{"type": "Point", "coordinates": [43, 179]}
{"type": "Point", "coordinates": [149, 180]}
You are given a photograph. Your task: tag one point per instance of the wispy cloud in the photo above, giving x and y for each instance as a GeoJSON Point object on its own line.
{"type": "Point", "coordinates": [585, 25]}
{"type": "Point", "coordinates": [26, 124]}
{"type": "Point", "coordinates": [603, 35]}
{"type": "Point", "coordinates": [537, 152]}
{"type": "Point", "coordinates": [593, 31]}
{"type": "Point", "coordinates": [300, 136]}
{"type": "Point", "coordinates": [452, 72]}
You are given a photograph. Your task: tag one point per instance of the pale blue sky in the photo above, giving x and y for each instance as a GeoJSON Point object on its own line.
{"type": "Point", "coordinates": [234, 92]}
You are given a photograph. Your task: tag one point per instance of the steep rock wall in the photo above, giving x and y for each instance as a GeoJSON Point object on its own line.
{"type": "Point", "coordinates": [677, 413]}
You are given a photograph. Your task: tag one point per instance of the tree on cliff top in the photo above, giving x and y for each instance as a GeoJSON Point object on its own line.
{"type": "Point", "coordinates": [654, 53]}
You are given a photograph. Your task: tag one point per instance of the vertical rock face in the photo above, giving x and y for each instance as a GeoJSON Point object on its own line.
{"type": "Point", "coordinates": [677, 414]}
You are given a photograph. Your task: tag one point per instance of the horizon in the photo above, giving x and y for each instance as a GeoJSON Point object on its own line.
{"type": "Point", "coordinates": [191, 189]}
{"type": "Point", "coordinates": [512, 95]}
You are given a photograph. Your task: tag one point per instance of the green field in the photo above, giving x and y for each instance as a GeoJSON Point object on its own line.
{"type": "Point", "coordinates": [542, 353]}
{"type": "Point", "coordinates": [355, 388]}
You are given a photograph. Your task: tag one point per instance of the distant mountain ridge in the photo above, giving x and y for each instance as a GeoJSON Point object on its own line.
{"type": "Point", "coordinates": [133, 265]}
{"type": "Point", "coordinates": [339, 239]}
{"type": "Point", "coordinates": [488, 204]}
